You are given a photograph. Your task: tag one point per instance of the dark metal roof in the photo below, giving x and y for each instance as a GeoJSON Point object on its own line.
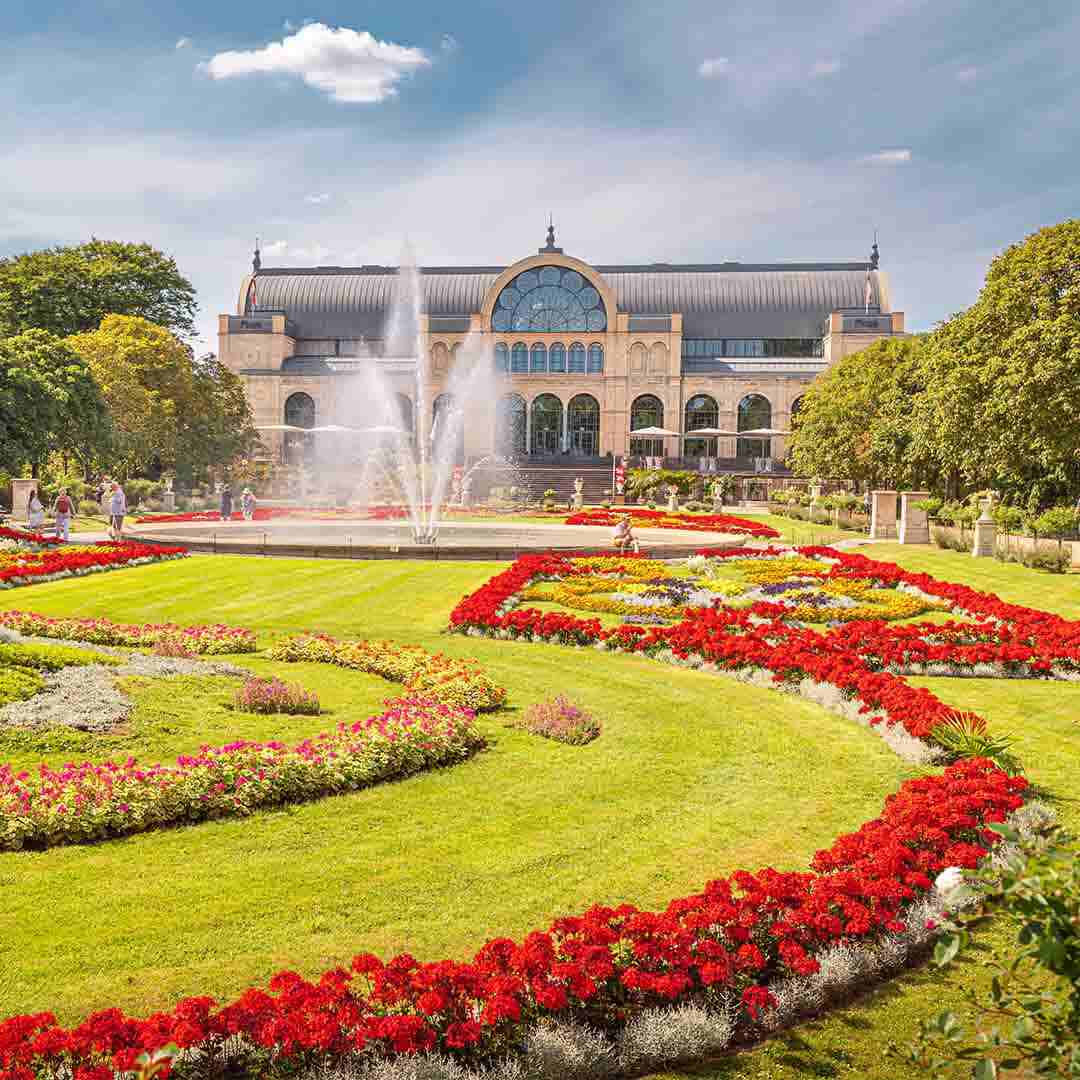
{"type": "Point", "coordinates": [737, 300]}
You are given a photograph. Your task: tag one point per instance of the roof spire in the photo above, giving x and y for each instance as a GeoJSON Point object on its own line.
{"type": "Point", "coordinates": [549, 248]}
{"type": "Point", "coordinates": [874, 256]}
{"type": "Point", "coordinates": [256, 262]}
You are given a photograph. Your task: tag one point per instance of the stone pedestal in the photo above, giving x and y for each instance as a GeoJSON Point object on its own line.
{"type": "Point", "coordinates": [914, 524]}
{"type": "Point", "coordinates": [20, 496]}
{"type": "Point", "coordinates": [718, 504]}
{"type": "Point", "coordinates": [883, 515]}
{"type": "Point", "coordinates": [673, 504]}
{"type": "Point", "coordinates": [985, 539]}
{"type": "Point", "coordinates": [620, 500]}
{"type": "Point", "coordinates": [578, 500]}
{"type": "Point", "coordinates": [168, 501]}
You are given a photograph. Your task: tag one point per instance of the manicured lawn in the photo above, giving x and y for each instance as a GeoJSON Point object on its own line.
{"type": "Point", "coordinates": [693, 776]}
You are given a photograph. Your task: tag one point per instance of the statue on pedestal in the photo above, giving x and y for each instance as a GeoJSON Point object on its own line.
{"type": "Point", "coordinates": [579, 496]}
{"type": "Point", "coordinates": [672, 498]}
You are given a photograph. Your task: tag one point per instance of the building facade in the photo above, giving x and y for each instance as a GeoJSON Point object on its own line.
{"type": "Point", "coordinates": [573, 356]}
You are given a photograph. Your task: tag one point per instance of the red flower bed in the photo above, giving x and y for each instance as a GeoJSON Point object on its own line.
{"type": "Point", "coordinates": [662, 519]}
{"type": "Point", "coordinates": [24, 568]}
{"type": "Point", "coordinates": [28, 537]}
{"type": "Point", "coordinates": [604, 965]}
{"type": "Point", "coordinates": [853, 657]}
{"type": "Point", "coordinates": [268, 513]}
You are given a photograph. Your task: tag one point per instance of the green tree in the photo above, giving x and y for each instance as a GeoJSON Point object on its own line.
{"type": "Point", "coordinates": [69, 290]}
{"type": "Point", "coordinates": [1002, 401]}
{"type": "Point", "coordinates": [168, 411]}
{"type": "Point", "coordinates": [854, 422]}
{"type": "Point", "coordinates": [49, 401]}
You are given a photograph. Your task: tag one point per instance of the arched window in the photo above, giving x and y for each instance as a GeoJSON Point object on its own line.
{"type": "Point", "coordinates": [447, 430]}
{"type": "Point", "coordinates": [538, 359]}
{"type": "Point", "coordinates": [796, 405]}
{"type": "Point", "coordinates": [510, 425]}
{"type": "Point", "coordinates": [519, 358]}
{"type": "Point", "coordinates": [299, 412]}
{"type": "Point", "coordinates": [547, 415]}
{"type": "Point", "coordinates": [754, 412]}
{"type": "Point", "coordinates": [596, 359]}
{"type": "Point", "coordinates": [577, 359]}
{"type": "Point", "coordinates": [701, 412]}
{"type": "Point", "coordinates": [557, 357]}
{"type": "Point", "coordinates": [646, 411]}
{"type": "Point", "coordinates": [583, 422]}
{"type": "Point", "coordinates": [502, 357]}
{"type": "Point", "coordinates": [550, 299]}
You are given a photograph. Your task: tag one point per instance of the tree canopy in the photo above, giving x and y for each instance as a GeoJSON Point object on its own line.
{"type": "Point", "coordinates": [169, 411]}
{"type": "Point", "coordinates": [990, 398]}
{"type": "Point", "coordinates": [49, 401]}
{"type": "Point", "coordinates": [69, 290]}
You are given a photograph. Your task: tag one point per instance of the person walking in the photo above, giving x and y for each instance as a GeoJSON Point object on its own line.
{"type": "Point", "coordinates": [35, 512]}
{"type": "Point", "coordinates": [247, 504]}
{"type": "Point", "coordinates": [226, 503]}
{"type": "Point", "coordinates": [63, 510]}
{"type": "Point", "coordinates": [117, 510]}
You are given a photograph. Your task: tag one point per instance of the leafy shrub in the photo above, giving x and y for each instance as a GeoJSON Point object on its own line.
{"type": "Point", "coordinates": [50, 657]}
{"type": "Point", "coordinates": [1053, 562]}
{"type": "Point", "coordinates": [274, 696]}
{"type": "Point", "coordinates": [560, 719]}
{"type": "Point", "coordinates": [17, 684]}
{"type": "Point", "coordinates": [1057, 521]}
{"type": "Point", "coordinates": [89, 508]}
{"type": "Point", "coordinates": [965, 735]}
{"type": "Point", "coordinates": [693, 505]}
{"type": "Point", "coordinates": [951, 543]}
{"type": "Point", "coordinates": [1028, 1021]}
{"type": "Point", "coordinates": [931, 505]}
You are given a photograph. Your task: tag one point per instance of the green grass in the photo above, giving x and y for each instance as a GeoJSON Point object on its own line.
{"type": "Point", "coordinates": [693, 776]}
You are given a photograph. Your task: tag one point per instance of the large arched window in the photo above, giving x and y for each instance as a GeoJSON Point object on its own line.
{"type": "Point", "coordinates": [577, 359]}
{"type": "Point", "coordinates": [502, 357]}
{"type": "Point", "coordinates": [447, 429]}
{"type": "Point", "coordinates": [701, 412]}
{"type": "Point", "coordinates": [549, 299]}
{"type": "Point", "coordinates": [538, 359]}
{"type": "Point", "coordinates": [596, 359]}
{"type": "Point", "coordinates": [546, 425]}
{"type": "Point", "coordinates": [557, 357]}
{"type": "Point", "coordinates": [510, 425]}
{"type": "Point", "coordinates": [519, 358]}
{"type": "Point", "coordinates": [646, 411]}
{"type": "Point", "coordinates": [299, 412]}
{"type": "Point", "coordinates": [583, 424]}
{"type": "Point", "coordinates": [754, 412]}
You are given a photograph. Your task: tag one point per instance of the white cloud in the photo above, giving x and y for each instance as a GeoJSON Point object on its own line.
{"type": "Point", "coordinates": [282, 249]}
{"type": "Point", "coordinates": [967, 75]}
{"type": "Point", "coordinates": [317, 197]}
{"type": "Point", "coordinates": [183, 43]}
{"type": "Point", "coordinates": [348, 65]}
{"type": "Point", "coordinates": [825, 67]}
{"type": "Point", "coordinates": [714, 67]}
{"type": "Point", "coordinates": [889, 157]}
{"type": "Point", "coordinates": [448, 43]}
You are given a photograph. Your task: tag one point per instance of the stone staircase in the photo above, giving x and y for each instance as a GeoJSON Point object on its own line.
{"type": "Point", "coordinates": [596, 479]}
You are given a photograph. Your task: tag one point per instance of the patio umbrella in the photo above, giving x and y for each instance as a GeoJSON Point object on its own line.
{"type": "Point", "coordinates": [762, 433]}
{"type": "Point", "coordinates": [709, 433]}
{"type": "Point", "coordinates": [651, 433]}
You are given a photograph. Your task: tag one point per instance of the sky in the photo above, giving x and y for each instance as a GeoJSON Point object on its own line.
{"type": "Point", "coordinates": [673, 131]}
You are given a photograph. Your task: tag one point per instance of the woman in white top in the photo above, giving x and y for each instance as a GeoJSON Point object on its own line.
{"type": "Point", "coordinates": [35, 512]}
{"type": "Point", "coordinates": [622, 536]}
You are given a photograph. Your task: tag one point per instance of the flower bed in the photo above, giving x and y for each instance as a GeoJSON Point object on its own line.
{"type": "Point", "coordinates": [863, 660]}
{"type": "Point", "coordinates": [734, 939]}
{"type": "Point", "coordinates": [31, 558]}
{"type": "Point", "coordinates": [85, 801]}
{"type": "Point", "coordinates": [559, 719]}
{"type": "Point", "coordinates": [456, 682]}
{"type": "Point", "coordinates": [274, 696]}
{"type": "Point", "coordinates": [662, 519]}
{"type": "Point", "coordinates": [24, 536]}
{"type": "Point", "coordinates": [202, 640]}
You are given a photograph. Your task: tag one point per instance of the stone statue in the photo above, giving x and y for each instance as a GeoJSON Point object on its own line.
{"type": "Point", "coordinates": [672, 498]}
{"type": "Point", "coordinates": [579, 496]}
{"type": "Point", "coordinates": [168, 483]}
{"type": "Point", "coordinates": [466, 491]}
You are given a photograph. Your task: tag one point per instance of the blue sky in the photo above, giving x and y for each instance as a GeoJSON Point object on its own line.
{"type": "Point", "coordinates": [687, 130]}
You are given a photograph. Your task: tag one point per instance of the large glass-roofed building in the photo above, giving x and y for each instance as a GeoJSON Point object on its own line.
{"type": "Point", "coordinates": [575, 356]}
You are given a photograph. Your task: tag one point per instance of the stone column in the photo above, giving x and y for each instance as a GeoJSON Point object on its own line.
{"type": "Point", "coordinates": [20, 496]}
{"type": "Point", "coordinates": [914, 524]}
{"type": "Point", "coordinates": [883, 515]}
{"type": "Point", "coordinates": [985, 542]}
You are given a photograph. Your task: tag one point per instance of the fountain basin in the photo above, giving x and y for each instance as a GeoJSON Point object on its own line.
{"type": "Point", "coordinates": [363, 539]}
